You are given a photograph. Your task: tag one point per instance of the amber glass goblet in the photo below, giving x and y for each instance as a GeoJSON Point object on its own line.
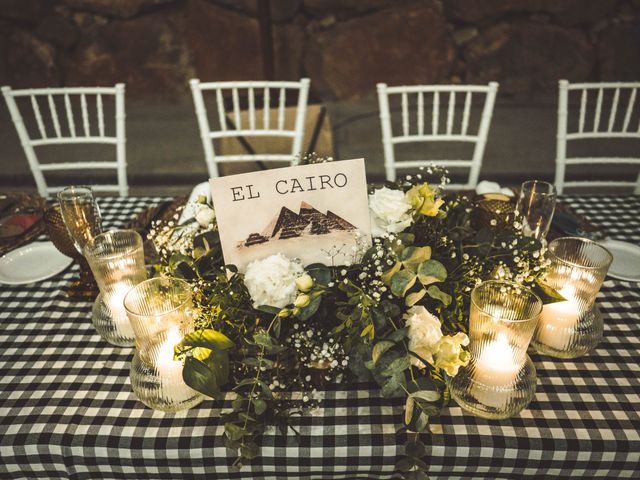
{"type": "Point", "coordinates": [84, 288]}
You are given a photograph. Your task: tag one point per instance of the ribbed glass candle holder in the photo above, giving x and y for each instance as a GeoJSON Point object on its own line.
{"type": "Point", "coordinates": [116, 259]}
{"type": "Point", "coordinates": [160, 310]}
{"type": "Point", "coordinates": [500, 379]}
{"type": "Point", "coordinates": [572, 328]}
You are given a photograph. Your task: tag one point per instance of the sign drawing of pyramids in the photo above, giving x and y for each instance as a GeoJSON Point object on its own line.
{"type": "Point", "coordinates": [308, 221]}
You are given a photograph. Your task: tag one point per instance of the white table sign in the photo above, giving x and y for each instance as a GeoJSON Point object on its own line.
{"type": "Point", "coordinates": [316, 213]}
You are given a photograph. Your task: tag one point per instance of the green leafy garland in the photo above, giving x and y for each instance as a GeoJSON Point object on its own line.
{"type": "Point", "coordinates": [360, 322]}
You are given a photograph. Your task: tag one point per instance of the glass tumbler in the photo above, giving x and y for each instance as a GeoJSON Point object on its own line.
{"type": "Point", "coordinates": [116, 259]}
{"type": "Point", "coordinates": [500, 379]}
{"type": "Point", "coordinates": [536, 204]}
{"type": "Point", "coordinates": [81, 214]}
{"type": "Point", "coordinates": [160, 310]}
{"type": "Point", "coordinates": [571, 328]}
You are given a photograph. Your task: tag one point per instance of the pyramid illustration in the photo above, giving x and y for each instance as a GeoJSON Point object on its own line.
{"type": "Point", "coordinates": [308, 221]}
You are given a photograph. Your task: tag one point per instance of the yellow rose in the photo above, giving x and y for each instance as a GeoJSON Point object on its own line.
{"type": "Point", "coordinates": [423, 200]}
{"type": "Point", "coordinates": [449, 354]}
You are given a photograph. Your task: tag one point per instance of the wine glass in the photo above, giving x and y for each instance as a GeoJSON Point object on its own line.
{"type": "Point", "coordinates": [536, 204]}
{"type": "Point", "coordinates": [81, 214]}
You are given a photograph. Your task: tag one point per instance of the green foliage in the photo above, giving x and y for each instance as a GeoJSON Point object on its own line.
{"type": "Point", "coordinates": [434, 264]}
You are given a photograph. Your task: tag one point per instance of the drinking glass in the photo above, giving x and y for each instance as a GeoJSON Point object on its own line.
{"type": "Point", "coordinates": [84, 288]}
{"type": "Point", "coordinates": [116, 259]}
{"type": "Point", "coordinates": [500, 379]}
{"type": "Point", "coordinates": [161, 314]}
{"type": "Point", "coordinates": [536, 204]}
{"type": "Point", "coordinates": [573, 327]}
{"type": "Point", "coordinates": [81, 214]}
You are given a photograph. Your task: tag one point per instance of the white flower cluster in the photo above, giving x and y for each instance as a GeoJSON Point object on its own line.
{"type": "Point", "coordinates": [390, 212]}
{"type": "Point", "coordinates": [315, 352]}
{"type": "Point", "coordinates": [272, 281]}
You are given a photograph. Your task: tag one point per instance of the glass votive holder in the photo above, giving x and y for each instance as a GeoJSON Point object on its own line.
{"type": "Point", "coordinates": [116, 259]}
{"type": "Point", "coordinates": [571, 328]}
{"type": "Point", "coordinates": [500, 379]}
{"type": "Point", "coordinates": [161, 313]}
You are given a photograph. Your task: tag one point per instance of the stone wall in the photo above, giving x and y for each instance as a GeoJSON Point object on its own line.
{"type": "Point", "coordinates": [345, 46]}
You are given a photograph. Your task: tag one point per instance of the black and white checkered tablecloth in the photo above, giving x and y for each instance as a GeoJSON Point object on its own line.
{"type": "Point", "coordinates": [67, 410]}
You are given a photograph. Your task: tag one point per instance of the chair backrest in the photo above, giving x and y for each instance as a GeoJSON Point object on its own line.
{"type": "Point", "coordinates": [606, 111]}
{"type": "Point", "coordinates": [267, 96]}
{"type": "Point", "coordinates": [53, 119]}
{"type": "Point", "coordinates": [451, 129]}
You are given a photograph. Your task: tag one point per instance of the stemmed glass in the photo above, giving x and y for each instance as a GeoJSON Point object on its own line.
{"type": "Point", "coordinates": [81, 214]}
{"type": "Point", "coordinates": [536, 204]}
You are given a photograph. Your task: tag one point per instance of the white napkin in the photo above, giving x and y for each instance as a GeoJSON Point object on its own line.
{"type": "Point", "coordinates": [492, 187]}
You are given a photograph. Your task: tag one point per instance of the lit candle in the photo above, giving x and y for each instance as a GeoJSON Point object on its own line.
{"type": "Point", "coordinates": [496, 365]}
{"type": "Point", "coordinates": [495, 373]}
{"type": "Point", "coordinates": [115, 304]}
{"type": "Point", "coordinates": [170, 370]}
{"type": "Point", "coordinates": [558, 321]}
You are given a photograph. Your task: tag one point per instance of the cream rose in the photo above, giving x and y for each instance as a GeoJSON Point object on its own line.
{"type": "Point", "coordinates": [424, 334]}
{"type": "Point", "coordinates": [390, 212]}
{"type": "Point", "coordinates": [205, 216]}
{"type": "Point", "coordinates": [272, 281]}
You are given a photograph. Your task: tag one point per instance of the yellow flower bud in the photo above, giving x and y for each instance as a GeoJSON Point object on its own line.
{"type": "Point", "coordinates": [304, 282]}
{"type": "Point", "coordinates": [302, 301]}
{"type": "Point", "coordinates": [284, 313]}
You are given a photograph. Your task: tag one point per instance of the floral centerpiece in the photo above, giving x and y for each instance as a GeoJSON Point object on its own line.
{"type": "Point", "coordinates": [395, 315]}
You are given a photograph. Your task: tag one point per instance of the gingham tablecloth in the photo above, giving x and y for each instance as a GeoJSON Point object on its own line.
{"type": "Point", "coordinates": [67, 410]}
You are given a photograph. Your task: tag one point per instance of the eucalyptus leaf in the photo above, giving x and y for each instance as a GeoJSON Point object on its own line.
{"type": "Point", "coordinates": [421, 422]}
{"type": "Point", "coordinates": [320, 273]}
{"type": "Point", "coordinates": [434, 292]}
{"type": "Point", "coordinates": [396, 367]}
{"type": "Point", "coordinates": [401, 282]}
{"type": "Point", "coordinates": [259, 406]}
{"type": "Point", "coordinates": [408, 410]}
{"type": "Point", "coordinates": [379, 348]}
{"type": "Point", "coordinates": [250, 450]}
{"type": "Point", "coordinates": [207, 240]}
{"type": "Point", "coordinates": [310, 310]}
{"type": "Point", "coordinates": [547, 294]}
{"type": "Point", "coordinates": [431, 271]}
{"type": "Point", "coordinates": [393, 387]}
{"type": "Point", "coordinates": [426, 395]}
{"type": "Point", "coordinates": [411, 257]}
{"type": "Point", "coordinates": [414, 297]}
{"type": "Point", "coordinates": [268, 309]}
{"type": "Point", "coordinates": [207, 338]}
{"type": "Point", "coordinates": [404, 465]}
{"type": "Point", "coordinates": [233, 431]}
{"type": "Point", "coordinates": [415, 449]}
{"type": "Point", "coordinates": [397, 335]}
{"type": "Point", "coordinates": [185, 270]}
{"type": "Point", "coordinates": [200, 377]}
{"type": "Point", "coordinates": [386, 276]}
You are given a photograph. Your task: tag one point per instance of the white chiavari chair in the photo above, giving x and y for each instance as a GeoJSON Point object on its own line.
{"type": "Point", "coordinates": [73, 115]}
{"type": "Point", "coordinates": [598, 111]}
{"type": "Point", "coordinates": [262, 99]}
{"type": "Point", "coordinates": [442, 98]}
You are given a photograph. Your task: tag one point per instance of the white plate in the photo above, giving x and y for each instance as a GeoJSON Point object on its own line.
{"type": "Point", "coordinates": [32, 263]}
{"type": "Point", "coordinates": [626, 259]}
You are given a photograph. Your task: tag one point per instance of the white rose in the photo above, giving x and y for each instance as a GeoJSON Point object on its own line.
{"type": "Point", "coordinates": [272, 281]}
{"type": "Point", "coordinates": [424, 334]}
{"type": "Point", "coordinates": [390, 212]}
{"type": "Point", "coordinates": [205, 216]}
